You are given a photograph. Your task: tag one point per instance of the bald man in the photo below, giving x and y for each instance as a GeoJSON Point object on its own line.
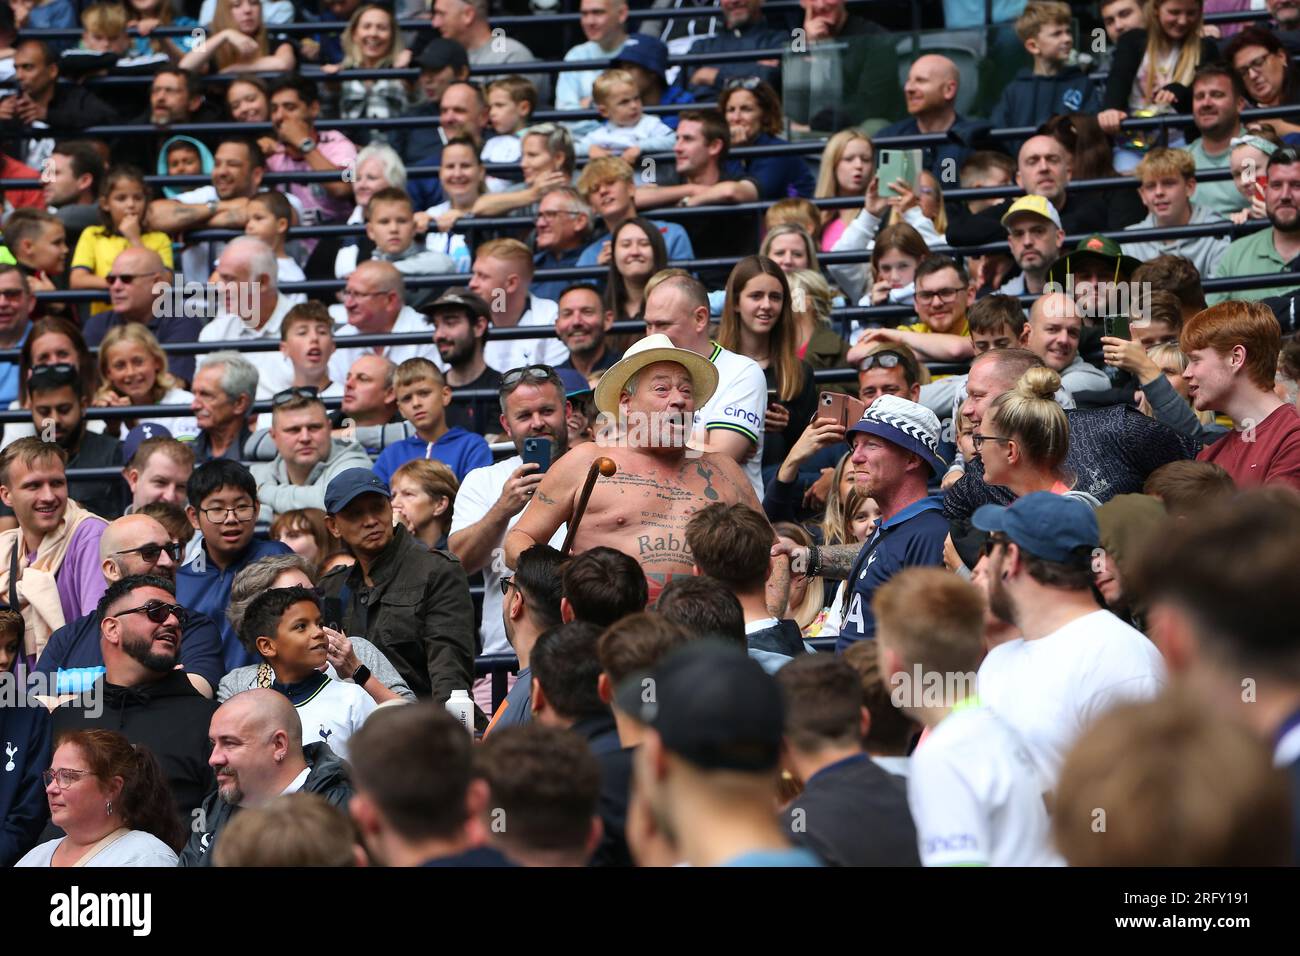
{"type": "Point", "coordinates": [134, 544]}
{"type": "Point", "coordinates": [930, 93]}
{"type": "Point", "coordinates": [374, 303]}
{"type": "Point", "coordinates": [257, 755]}
{"type": "Point", "coordinates": [252, 309]}
{"type": "Point", "coordinates": [131, 281]}
{"type": "Point", "coordinates": [1052, 333]}
{"type": "Point", "coordinates": [1044, 167]}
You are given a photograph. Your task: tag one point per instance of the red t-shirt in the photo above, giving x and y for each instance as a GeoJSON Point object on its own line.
{"type": "Point", "coordinates": [11, 168]}
{"type": "Point", "coordinates": [1268, 454]}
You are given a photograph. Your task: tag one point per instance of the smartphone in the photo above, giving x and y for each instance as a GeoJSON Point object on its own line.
{"type": "Point", "coordinates": [537, 451]}
{"type": "Point", "coordinates": [841, 408]}
{"type": "Point", "coordinates": [1116, 326]}
{"type": "Point", "coordinates": [1261, 183]}
{"type": "Point", "coordinates": [904, 164]}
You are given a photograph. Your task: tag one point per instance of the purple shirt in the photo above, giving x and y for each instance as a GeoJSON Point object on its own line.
{"type": "Point", "coordinates": [80, 579]}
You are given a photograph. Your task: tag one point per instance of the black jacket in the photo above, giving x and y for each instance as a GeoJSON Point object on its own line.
{"type": "Point", "coordinates": [1112, 451]}
{"type": "Point", "coordinates": [853, 813]}
{"type": "Point", "coordinates": [24, 811]}
{"type": "Point", "coordinates": [327, 776]}
{"type": "Point", "coordinates": [419, 614]}
{"type": "Point", "coordinates": [1129, 50]}
{"type": "Point", "coordinates": [169, 717]}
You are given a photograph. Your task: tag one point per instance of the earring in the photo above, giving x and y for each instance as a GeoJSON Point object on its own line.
{"type": "Point", "coordinates": [279, 758]}
{"type": "Point", "coordinates": [108, 808]}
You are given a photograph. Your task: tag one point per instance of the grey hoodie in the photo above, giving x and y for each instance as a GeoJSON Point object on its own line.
{"type": "Point", "coordinates": [1203, 251]}
{"type": "Point", "coordinates": [277, 495]}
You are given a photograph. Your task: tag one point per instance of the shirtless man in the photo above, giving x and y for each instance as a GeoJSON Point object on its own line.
{"type": "Point", "coordinates": [643, 509]}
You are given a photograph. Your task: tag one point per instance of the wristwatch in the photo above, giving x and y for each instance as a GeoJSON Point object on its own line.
{"type": "Point", "coordinates": [361, 675]}
{"type": "Point", "coordinates": [213, 206]}
{"type": "Point", "coordinates": [306, 146]}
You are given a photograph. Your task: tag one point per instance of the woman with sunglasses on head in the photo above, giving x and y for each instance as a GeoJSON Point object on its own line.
{"type": "Point", "coordinates": [112, 802]}
{"type": "Point", "coordinates": [753, 113]}
{"type": "Point", "coordinates": [51, 341]}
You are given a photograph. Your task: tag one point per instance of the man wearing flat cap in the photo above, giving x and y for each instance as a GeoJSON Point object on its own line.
{"type": "Point", "coordinates": [646, 403]}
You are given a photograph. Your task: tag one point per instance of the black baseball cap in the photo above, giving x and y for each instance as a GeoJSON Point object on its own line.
{"type": "Point", "coordinates": [441, 53]}
{"type": "Point", "coordinates": [712, 705]}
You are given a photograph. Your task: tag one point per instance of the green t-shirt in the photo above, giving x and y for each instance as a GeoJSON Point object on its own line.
{"type": "Point", "coordinates": [1221, 196]}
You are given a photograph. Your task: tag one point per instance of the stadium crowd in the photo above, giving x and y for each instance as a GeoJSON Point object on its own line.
{"type": "Point", "coordinates": [607, 434]}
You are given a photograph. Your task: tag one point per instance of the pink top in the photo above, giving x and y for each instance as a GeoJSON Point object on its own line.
{"type": "Point", "coordinates": [318, 206]}
{"type": "Point", "coordinates": [831, 234]}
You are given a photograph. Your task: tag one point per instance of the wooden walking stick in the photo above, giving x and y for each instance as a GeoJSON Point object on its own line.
{"type": "Point", "coordinates": [599, 466]}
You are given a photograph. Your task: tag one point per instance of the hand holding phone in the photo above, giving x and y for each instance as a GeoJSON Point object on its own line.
{"type": "Point", "coordinates": [537, 451]}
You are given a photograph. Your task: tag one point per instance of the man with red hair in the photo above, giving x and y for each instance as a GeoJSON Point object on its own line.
{"type": "Point", "coordinates": [1232, 351]}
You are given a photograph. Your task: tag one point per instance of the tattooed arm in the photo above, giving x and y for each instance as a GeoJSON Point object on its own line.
{"type": "Point", "coordinates": [837, 560]}
{"type": "Point", "coordinates": [550, 507]}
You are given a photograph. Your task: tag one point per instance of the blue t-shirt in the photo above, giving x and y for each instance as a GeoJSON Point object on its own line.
{"type": "Point", "coordinates": [202, 587]}
{"type": "Point", "coordinates": [911, 538]}
{"type": "Point", "coordinates": [459, 450]}
{"type": "Point", "coordinates": [74, 654]}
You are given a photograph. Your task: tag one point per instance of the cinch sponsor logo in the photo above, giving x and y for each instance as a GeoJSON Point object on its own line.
{"type": "Point", "coordinates": [951, 843]}
{"type": "Point", "coordinates": [735, 411]}
{"type": "Point", "coordinates": [77, 909]}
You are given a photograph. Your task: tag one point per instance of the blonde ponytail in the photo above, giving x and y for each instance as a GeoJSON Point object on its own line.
{"type": "Point", "coordinates": [1030, 414]}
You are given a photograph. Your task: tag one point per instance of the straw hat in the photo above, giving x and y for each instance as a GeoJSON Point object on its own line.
{"type": "Point", "coordinates": [652, 349]}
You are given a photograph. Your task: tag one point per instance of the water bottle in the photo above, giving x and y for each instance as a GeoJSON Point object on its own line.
{"type": "Point", "coordinates": [461, 706]}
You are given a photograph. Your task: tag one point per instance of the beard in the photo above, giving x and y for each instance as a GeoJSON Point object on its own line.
{"type": "Point", "coordinates": [142, 651]}
{"type": "Point", "coordinates": [462, 351]}
{"type": "Point", "coordinates": [1292, 224]}
{"type": "Point", "coordinates": [230, 792]}
{"type": "Point", "coordinates": [999, 600]}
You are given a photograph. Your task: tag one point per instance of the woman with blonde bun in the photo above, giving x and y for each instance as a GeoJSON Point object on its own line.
{"type": "Point", "coordinates": [1024, 436]}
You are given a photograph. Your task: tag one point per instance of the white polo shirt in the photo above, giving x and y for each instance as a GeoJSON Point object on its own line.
{"type": "Point", "coordinates": [274, 371]}
{"type": "Point", "coordinates": [408, 320]}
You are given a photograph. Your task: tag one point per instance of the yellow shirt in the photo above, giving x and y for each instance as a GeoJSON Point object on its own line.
{"type": "Point", "coordinates": [96, 251]}
{"type": "Point", "coordinates": [962, 329]}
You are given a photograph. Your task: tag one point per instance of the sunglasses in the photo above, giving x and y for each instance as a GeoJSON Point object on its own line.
{"type": "Point", "coordinates": [539, 373]}
{"type": "Point", "coordinates": [158, 612]}
{"type": "Point", "coordinates": [505, 585]}
{"type": "Point", "coordinates": [150, 552]}
{"type": "Point", "coordinates": [289, 394]}
{"type": "Point", "coordinates": [880, 360]}
{"type": "Point", "coordinates": [62, 369]}
{"type": "Point", "coordinates": [743, 83]}
{"type": "Point", "coordinates": [126, 278]}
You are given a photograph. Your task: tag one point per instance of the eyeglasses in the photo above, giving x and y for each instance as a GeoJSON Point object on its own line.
{"type": "Point", "coordinates": [354, 294]}
{"type": "Point", "coordinates": [66, 778]}
{"type": "Point", "coordinates": [539, 373]}
{"type": "Point", "coordinates": [150, 552]}
{"type": "Point", "coordinates": [993, 541]}
{"type": "Point", "coordinates": [124, 277]}
{"type": "Point", "coordinates": [12, 295]}
{"type": "Point", "coordinates": [938, 295]}
{"type": "Point", "coordinates": [217, 515]}
{"type": "Point", "coordinates": [880, 360]}
{"type": "Point", "coordinates": [1254, 66]}
{"type": "Point", "coordinates": [505, 585]}
{"type": "Point", "coordinates": [978, 440]}
{"type": "Point", "coordinates": [743, 83]}
{"type": "Point", "coordinates": [158, 612]}
{"type": "Point", "coordinates": [297, 391]}
{"type": "Point", "coordinates": [550, 215]}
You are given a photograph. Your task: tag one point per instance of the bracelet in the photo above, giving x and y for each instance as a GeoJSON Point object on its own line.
{"type": "Point", "coordinates": [814, 562]}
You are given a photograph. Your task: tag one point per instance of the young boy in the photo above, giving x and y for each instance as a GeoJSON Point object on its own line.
{"type": "Point", "coordinates": [627, 132]}
{"type": "Point", "coordinates": [307, 341]}
{"type": "Point", "coordinates": [422, 397]}
{"type": "Point", "coordinates": [1051, 86]}
{"type": "Point", "coordinates": [1167, 179]}
{"type": "Point", "coordinates": [270, 214]}
{"type": "Point", "coordinates": [973, 789]}
{"type": "Point", "coordinates": [103, 29]}
{"type": "Point", "coordinates": [511, 102]}
{"type": "Point", "coordinates": [39, 244]}
{"type": "Point", "coordinates": [183, 159]}
{"type": "Point", "coordinates": [390, 226]}
{"type": "Point", "coordinates": [283, 626]}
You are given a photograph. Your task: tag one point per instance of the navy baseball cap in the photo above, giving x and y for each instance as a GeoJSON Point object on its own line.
{"type": "Point", "coordinates": [1048, 526]}
{"type": "Point", "coordinates": [138, 436]}
{"type": "Point", "coordinates": [712, 705]}
{"type": "Point", "coordinates": [441, 53]}
{"type": "Point", "coordinates": [641, 49]}
{"type": "Point", "coordinates": [575, 383]}
{"type": "Point", "coordinates": [351, 484]}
